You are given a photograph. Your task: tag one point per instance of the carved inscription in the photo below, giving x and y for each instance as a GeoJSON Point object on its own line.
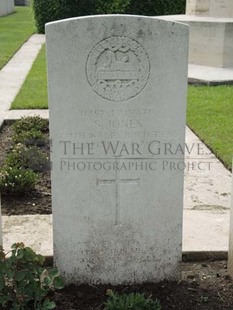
{"type": "Point", "coordinates": [118, 68]}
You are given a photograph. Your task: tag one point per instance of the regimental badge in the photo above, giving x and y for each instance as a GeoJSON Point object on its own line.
{"type": "Point", "coordinates": [118, 68]}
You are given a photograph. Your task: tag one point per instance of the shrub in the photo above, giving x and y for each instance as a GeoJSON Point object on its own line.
{"type": "Point", "coordinates": [24, 281]}
{"type": "Point", "coordinates": [30, 123]}
{"type": "Point", "coordinates": [47, 11]}
{"type": "Point", "coordinates": [16, 181]}
{"type": "Point", "coordinates": [32, 158]}
{"type": "Point", "coordinates": [130, 302]}
{"type": "Point", "coordinates": [13, 158]}
{"type": "Point", "coordinates": [156, 7]}
{"type": "Point", "coordinates": [31, 137]}
{"type": "Point", "coordinates": [111, 7]}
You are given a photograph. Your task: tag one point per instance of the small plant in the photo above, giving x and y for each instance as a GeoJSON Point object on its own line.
{"type": "Point", "coordinates": [17, 181]}
{"type": "Point", "coordinates": [28, 123]}
{"type": "Point", "coordinates": [133, 301]}
{"type": "Point", "coordinates": [30, 137]}
{"type": "Point", "coordinates": [24, 157]}
{"type": "Point", "coordinates": [24, 282]}
{"type": "Point", "coordinates": [13, 158]}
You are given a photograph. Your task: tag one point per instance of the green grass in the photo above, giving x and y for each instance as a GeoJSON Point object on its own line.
{"type": "Point", "coordinates": [209, 111]}
{"type": "Point", "coordinates": [15, 29]}
{"type": "Point", "coordinates": [33, 94]}
{"type": "Point", "coordinates": [210, 116]}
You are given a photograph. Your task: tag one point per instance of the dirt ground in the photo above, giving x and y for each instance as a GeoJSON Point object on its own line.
{"type": "Point", "coordinates": [38, 202]}
{"type": "Point", "coordinates": [204, 285]}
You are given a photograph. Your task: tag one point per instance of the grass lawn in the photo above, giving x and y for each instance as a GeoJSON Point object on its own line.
{"type": "Point", "coordinates": [210, 116]}
{"type": "Point", "coordinates": [209, 111]}
{"type": "Point", "coordinates": [15, 29]}
{"type": "Point", "coordinates": [33, 94]}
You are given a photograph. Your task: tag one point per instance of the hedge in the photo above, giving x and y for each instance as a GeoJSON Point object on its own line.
{"type": "Point", "coordinates": [51, 10]}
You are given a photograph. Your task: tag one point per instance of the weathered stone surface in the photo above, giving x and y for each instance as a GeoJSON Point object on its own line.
{"type": "Point", "coordinates": [210, 41]}
{"type": "Point", "coordinates": [213, 8]}
{"type": "Point", "coordinates": [6, 7]}
{"type": "Point", "coordinates": [117, 89]}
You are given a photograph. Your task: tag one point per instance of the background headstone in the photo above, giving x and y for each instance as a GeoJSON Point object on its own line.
{"type": "Point", "coordinates": [6, 7]}
{"type": "Point", "coordinates": [211, 32]}
{"type": "Point", "coordinates": [211, 41]}
{"type": "Point", "coordinates": [213, 8]}
{"type": "Point", "coordinates": [117, 96]}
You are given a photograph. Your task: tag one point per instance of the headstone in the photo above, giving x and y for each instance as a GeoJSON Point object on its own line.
{"type": "Point", "coordinates": [213, 8]}
{"type": "Point", "coordinates": [117, 98]}
{"type": "Point", "coordinates": [6, 7]}
{"type": "Point", "coordinates": [230, 252]}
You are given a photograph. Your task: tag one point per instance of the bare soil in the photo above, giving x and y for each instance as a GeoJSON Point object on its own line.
{"type": "Point", "coordinates": [204, 285]}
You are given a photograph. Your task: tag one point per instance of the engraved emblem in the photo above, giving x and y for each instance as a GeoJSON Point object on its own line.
{"type": "Point", "coordinates": [118, 68]}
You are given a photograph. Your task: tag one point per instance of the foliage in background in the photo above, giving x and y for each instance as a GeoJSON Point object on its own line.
{"type": "Point", "coordinates": [112, 6]}
{"type": "Point", "coordinates": [15, 29]}
{"type": "Point", "coordinates": [133, 301]}
{"type": "Point", "coordinates": [24, 281]}
{"type": "Point", "coordinates": [46, 11]}
{"type": "Point", "coordinates": [156, 7]}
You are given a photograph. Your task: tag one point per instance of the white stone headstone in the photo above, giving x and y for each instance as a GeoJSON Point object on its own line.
{"type": "Point", "coordinates": [6, 7]}
{"type": "Point", "coordinates": [117, 99]}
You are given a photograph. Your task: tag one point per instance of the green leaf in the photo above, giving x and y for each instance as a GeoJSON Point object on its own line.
{"type": "Point", "coordinates": [40, 259]}
{"type": "Point", "coordinates": [58, 283]}
{"type": "Point", "coordinates": [54, 272]}
{"type": "Point", "coordinates": [49, 304]}
{"type": "Point", "coordinates": [20, 275]}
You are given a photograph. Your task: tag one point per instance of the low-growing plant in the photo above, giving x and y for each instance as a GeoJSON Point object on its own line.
{"type": "Point", "coordinates": [16, 181]}
{"type": "Point", "coordinates": [13, 158]}
{"type": "Point", "coordinates": [35, 159]}
{"type": "Point", "coordinates": [30, 137]}
{"type": "Point", "coordinates": [24, 281]}
{"type": "Point", "coordinates": [24, 157]}
{"type": "Point", "coordinates": [30, 123]}
{"type": "Point", "coordinates": [132, 301]}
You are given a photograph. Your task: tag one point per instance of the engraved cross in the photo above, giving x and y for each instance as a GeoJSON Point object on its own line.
{"type": "Point", "coordinates": [117, 182]}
